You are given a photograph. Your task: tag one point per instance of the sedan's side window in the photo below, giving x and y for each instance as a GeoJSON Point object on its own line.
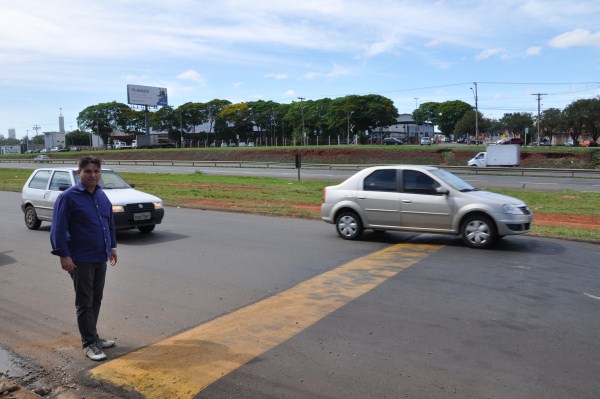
{"type": "Point", "coordinates": [381, 180]}
{"type": "Point", "coordinates": [40, 180]}
{"type": "Point", "coordinates": [418, 183]}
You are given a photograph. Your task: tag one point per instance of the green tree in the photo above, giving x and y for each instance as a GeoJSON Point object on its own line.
{"type": "Point", "coordinates": [575, 118]}
{"type": "Point", "coordinates": [449, 113]}
{"type": "Point", "coordinates": [240, 117]}
{"type": "Point", "coordinates": [213, 110]}
{"type": "Point", "coordinates": [103, 118]}
{"type": "Point", "coordinates": [77, 138]}
{"type": "Point", "coordinates": [263, 116]}
{"type": "Point", "coordinates": [517, 122]}
{"type": "Point", "coordinates": [427, 112]}
{"type": "Point", "coordinates": [192, 115]}
{"type": "Point", "coordinates": [466, 124]}
{"type": "Point", "coordinates": [166, 119]}
{"type": "Point", "coordinates": [551, 120]}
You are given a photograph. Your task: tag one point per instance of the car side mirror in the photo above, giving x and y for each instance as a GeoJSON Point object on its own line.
{"type": "Point", "coordinates": [63, 187]}
{"type": "Point", "coordinates": [442, 190]}
{"type": "Point", "coordinates": [132, 185]}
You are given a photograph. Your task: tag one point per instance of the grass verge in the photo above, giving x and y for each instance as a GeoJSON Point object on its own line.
{"type": "Point", "coordinates": [280, 197]}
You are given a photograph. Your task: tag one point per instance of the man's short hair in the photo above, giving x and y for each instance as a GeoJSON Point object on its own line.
{"type": "Point", "coordinates": [83, 162]}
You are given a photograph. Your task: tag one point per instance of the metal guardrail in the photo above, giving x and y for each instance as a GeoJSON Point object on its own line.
{"type": "Point", "coordinates": [593, 173]}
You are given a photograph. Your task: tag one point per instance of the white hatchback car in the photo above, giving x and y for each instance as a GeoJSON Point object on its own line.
{"type": "Point", "coordinates": [131, 208]}
{"type": "Point", "coordinates": [422, 199]}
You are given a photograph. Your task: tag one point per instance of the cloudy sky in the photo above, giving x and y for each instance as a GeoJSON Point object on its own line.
{"type": "Point", "coordinates": [69, 54]}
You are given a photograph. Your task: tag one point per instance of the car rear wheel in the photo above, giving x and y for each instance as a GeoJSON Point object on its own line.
{"type": "Point", "coordinates": [478, 231]}
{"type": "Point", "coordinates": [146, 229]}
{"type": "Point", "coordinates": [348, 226]}
{"type": "Point", "coordinates": [31, 220]}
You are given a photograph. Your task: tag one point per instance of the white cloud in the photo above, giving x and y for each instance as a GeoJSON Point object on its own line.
{"type": "Point", "coordinates": [492, 52]}
{"type": "Point", "coordinates": [533, 51]}
{"type": "Point", "coordinates": [277, 76]}
{"type": "Point", "coordinates": [290, 93]}
{"type": "Point", "coordinates": [192, 75]}
{"type": "Point", "coordinates": [576, 37]}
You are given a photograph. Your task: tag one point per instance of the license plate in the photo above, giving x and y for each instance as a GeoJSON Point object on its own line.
{"type": "Point", "coordinates": [141, 216]}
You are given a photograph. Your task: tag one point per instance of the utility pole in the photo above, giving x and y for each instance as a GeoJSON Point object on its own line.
{"type": "Point", "coordinates": [36, 128]}
{"type": "Point", "coordinates": [539, 116]}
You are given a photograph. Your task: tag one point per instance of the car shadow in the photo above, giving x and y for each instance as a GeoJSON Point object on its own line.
{"type": "Point", "coordinates": [525, 244]}
{"type": "Point", "coordinates": [135, 237]}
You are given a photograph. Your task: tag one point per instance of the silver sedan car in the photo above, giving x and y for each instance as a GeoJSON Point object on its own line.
{"type": "Point", "coordinates": [422, 199]}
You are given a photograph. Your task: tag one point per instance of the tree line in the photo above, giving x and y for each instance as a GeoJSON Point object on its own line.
{"type": "Point", "coordinates": [302, 122]}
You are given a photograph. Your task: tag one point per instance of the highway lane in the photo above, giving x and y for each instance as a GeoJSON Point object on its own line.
{"type": "Point", "coordinates": [480, 180]}
{"type": "Point", "coordinates": [516, 321]}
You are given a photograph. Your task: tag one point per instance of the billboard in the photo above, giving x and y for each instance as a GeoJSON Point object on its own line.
{"type": "Point", "coordinates": [146, 95]}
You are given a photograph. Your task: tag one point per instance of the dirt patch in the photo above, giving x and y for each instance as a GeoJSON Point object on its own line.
{"type": "Point", "coordinates": [578, 221]}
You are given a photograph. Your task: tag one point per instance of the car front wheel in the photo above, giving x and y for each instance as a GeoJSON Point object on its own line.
{"type": "Point", "coordinates": [478, 231]}
{"type": "Point", "coordinates": [348, 226]}
{"type": "Point", "coordinates": [31, 220]}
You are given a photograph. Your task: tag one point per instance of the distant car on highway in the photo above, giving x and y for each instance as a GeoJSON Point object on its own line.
{"type": "Point", "coordinates": [132, 208]}
{"type": "Point", "coordinates": [421, 199]}
{"type": "Point", "coordinates": [392, 141]}
{"type": "Point", "coordinates": [41, 158]}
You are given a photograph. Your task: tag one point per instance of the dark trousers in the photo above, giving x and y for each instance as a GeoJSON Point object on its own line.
{"type": "Point", "coordinates": [88, 279]}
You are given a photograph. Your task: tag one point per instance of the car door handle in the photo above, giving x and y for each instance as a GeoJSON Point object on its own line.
{"type": "Point", "coordinates": [406, 201]}
{"type": "Point", "coordinates": [362, 197]}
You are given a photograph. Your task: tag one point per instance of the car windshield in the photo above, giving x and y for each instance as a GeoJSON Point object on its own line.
{"type": "Point", "coordinates": [453, 181]}
{"type": "Point", "coordinates": [110, 180]}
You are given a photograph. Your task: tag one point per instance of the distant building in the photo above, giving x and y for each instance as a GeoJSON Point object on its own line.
{"type": "Point", "coordinates": [12, 134]}
{"type": "Point", "coordinates": [405, 128]}
{"type": "Point", "coordinates": [54, 139]}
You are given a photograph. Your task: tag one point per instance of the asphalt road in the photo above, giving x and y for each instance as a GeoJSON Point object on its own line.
{"type": "Point", "coordinates": [508, 180]}
{"type": "Point", "coordinates": [427, 317]}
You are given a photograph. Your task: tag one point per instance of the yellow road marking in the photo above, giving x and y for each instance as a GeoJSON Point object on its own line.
{"type": "Point", "coordinates": [183, 365]}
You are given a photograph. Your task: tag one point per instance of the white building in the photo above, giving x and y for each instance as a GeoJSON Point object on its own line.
{"type": "Point", "coordinates": [54, 139]}
{"type": "Point", "coordinates": [406, 127]}
{"type": "Point", "coordinates": [12, 134]}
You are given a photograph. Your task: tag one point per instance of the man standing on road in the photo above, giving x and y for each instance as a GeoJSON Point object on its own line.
{"type": "Point", "coordinates": [83, 235]}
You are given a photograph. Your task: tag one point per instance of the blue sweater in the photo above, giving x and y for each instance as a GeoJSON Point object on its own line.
{"type": "Point", "coordinates": [83, 226]}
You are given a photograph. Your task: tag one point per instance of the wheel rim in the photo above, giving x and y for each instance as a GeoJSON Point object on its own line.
{"type": "Point", "coordinates": [30, 217]}
{"type": "Point", "coordinates": [347, 226]}
{"type": "Point", "coordinates": [477, 232]}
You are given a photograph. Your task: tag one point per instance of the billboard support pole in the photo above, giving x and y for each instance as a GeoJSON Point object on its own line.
{"type": "Point", "coordinates": [147, 119]}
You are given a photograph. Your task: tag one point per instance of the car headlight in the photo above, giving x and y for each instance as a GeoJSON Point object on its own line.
{"type": "Point", "coordinates": [512, 209]}
{"type": "Point", "coordinates": [157, 205]}
{"type": "Point", "coordinates": [118, 208]}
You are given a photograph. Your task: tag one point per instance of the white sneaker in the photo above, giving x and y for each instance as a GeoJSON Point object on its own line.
{"type": "Point", "coordinates": [94, 352]}
{"type": "Point", "coordinates": [106, 343]}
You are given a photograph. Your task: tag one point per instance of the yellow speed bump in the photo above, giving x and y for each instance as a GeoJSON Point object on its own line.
{"type": "Point", "coordinates": [183, 365]}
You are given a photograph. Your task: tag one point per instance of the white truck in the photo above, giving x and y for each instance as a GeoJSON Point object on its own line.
{"type": "Point", "coordinates": [498, 155]}
{"type": "Point", "coordinates": [120, 145]}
